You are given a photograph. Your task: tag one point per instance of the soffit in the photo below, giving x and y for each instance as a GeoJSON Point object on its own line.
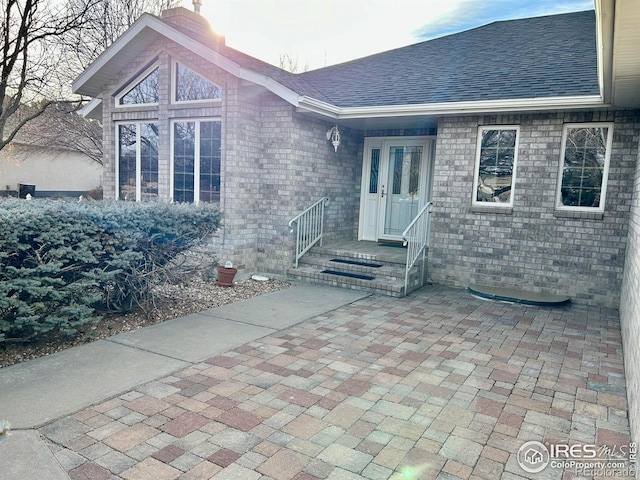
{"type": "Point", "coordinates": [116, 63]}
{"type": "Point", "coordinates": [626, 54]}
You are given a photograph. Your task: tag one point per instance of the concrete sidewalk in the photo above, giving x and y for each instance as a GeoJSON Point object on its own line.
{"type": "Point", "coordinates": [39, 391]}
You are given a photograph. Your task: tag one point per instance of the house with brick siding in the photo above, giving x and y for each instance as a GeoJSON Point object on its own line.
{"type": "Point", "coordinates": [518, 138]}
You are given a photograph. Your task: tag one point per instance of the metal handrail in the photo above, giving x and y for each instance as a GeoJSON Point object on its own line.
{"type": "Point", "coordinates": [416, 238]}
{"type": "Point", "coordinates": [309, 227]}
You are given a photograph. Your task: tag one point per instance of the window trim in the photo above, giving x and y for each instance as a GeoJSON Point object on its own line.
{"type": "Point", "coordinates": [196, 154]}
{"type": "Point", "coordinates": [135, 81]}
{"type": "Point", "coordinates": [605, 171]}
{"type": "Point", "coordinates": [174, 86]}
{"type": "Point", "coordinates": [476, 171]}
{"type": "Point", "coordinates": [137, 123]}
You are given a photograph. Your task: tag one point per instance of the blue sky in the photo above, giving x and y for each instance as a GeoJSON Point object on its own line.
{"type": "Point", "coordinates": [473, 13]}
{"type": "Point", "coordinates": [323, 32]}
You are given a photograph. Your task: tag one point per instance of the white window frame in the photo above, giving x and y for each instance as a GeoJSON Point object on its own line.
{"type": "Point", "coordinates": [139, 78]}
{"type": "Point", "coordinates": [196, 154]}
{"type": "Point", "coordinates": [476, 172]}
{"type": "Point", "coordinates": [605, 171]}
{"type": "Point", "coordinates": [137, 123]}
{"type": "Point", "coordinates": [174, 86]}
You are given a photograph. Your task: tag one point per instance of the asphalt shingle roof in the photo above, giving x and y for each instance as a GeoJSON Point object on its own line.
{"type": "Point", "coordinates": [290, 80]}
{"type": "Point", "coordinates": [535, 57]}
{"type": "Point", "coordinates": [295, 82]}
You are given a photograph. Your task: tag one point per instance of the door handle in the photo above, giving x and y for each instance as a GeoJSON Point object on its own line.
{"type": "Point", "coordinates": [382, 194]}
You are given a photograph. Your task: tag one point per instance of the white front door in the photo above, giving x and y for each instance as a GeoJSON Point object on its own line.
{"type": "Point", "coordinates": [396, 184]}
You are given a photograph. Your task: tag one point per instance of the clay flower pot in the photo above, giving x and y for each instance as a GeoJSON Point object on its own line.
{"type": "Point", "coordinates": [225, 276]}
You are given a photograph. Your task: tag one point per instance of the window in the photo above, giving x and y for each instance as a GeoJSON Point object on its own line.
{"type": "Point", "coordinates": [373, 172]}
{"type": "Point", "coordinates": [196, 161]}
{"type": "Point", "coordinates": [191, 87]}
{"type": "Point", "coordinates": [145, 92]}
{"type": "Point", "coordinates": [495, 169]}
{"type": "Point", "coordinates": [137, 161]}
{"type": "Point", "coordinates": [584, 165]}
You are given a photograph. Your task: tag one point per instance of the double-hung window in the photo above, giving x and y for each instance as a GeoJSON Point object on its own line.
{"type": "Point", "coordinates": [495, 169]}
{"type": "Point", "coordinates": [137, 161]}
{"type": "Point", "coordinates": [195, 166]}
{"type": "Point", "coordinates": [584, 167]}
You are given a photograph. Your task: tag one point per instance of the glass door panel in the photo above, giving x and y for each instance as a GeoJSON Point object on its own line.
{"type": "Point", "coordinates": [403, 196]}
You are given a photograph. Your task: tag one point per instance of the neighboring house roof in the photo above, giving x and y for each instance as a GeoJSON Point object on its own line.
{"type": "Point", "coordinates": [58, 127]}
{"type": "Point", "coordinates": [534, 63]}
{"type": "Point", "coordinates": [551, 56]}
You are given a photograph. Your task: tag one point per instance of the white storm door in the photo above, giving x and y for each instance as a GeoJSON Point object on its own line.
{"type": "Point", "coordinates": [404, 186]}
{"type": "Point", "coordinates": [396, 183]}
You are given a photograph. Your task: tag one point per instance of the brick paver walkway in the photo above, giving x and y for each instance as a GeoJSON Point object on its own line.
{"type": "Point", "coordinates": [436, 385]}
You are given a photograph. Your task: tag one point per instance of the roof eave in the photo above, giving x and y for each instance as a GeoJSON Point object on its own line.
{"type": "Point", "coordinates": [93, 109]}
{"type": "Point", "coordinates": [83, 84]}
{"type": "Point", "coordinates": [622, 55]}
{"type": "Point", "coordinates": [605, 21]}
{"type": "Point", "coordinates": [308, 104]}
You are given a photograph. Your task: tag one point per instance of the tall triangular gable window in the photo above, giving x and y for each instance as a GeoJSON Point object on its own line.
{"type": "Point", "coordinates": [191, 87]}
{"type": "Point", "coordinates": [145, 92]}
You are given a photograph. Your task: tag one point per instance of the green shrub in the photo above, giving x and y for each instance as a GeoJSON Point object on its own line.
{"type": "Point", "coordinates": [60, 261]}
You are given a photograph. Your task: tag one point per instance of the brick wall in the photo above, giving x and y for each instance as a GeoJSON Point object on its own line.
{"type": "Point", "coordinates": [164, 53]}
{"type": "Point", "coordinates": [630, 310]}
{"type": "Point", "coordinates": [298, 167]}
{"type": "Point", "coordinates": [529, 247]}
{"type": "Point", "coordinates": [240, 179]}
{"type": "Point", "coordinates": [275, 162]}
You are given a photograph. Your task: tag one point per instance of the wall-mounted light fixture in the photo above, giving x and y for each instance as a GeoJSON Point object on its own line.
{"type": "Point", "coordinates": [334, 136]}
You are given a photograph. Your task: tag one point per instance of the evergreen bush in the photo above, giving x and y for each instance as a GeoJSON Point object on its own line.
{"type": "Point", "coordinates": [62, 261]}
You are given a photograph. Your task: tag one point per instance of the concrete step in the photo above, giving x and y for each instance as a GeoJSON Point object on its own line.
{"type": "Point", "coordinates": [309, 274]}
{"type": "Point", "coordinates": [368, 266]}
{"type": "Point", "coordinates": [354, 266]}
{"type": "Point", "coordinates": [386, 255]}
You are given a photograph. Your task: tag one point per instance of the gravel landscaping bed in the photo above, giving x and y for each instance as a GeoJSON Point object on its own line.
{"type": "Point", "coordinates": [171, 301]}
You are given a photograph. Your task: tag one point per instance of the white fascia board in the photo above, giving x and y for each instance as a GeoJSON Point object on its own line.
{"type": "Point", "coordinates": [605, 20]}
{"type": "Point", "coordinates": [110, 52]}
{"type": "Point", "coordinates": [149, 21]}
{"type": "Point", "coordinates": [90, 108]}
{"type": "Point", "coordinates": [522, 104]}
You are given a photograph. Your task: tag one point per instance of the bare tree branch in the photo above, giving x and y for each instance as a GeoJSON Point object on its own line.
{"type": "Point", "coordinates": [291, 64]}
{"type": "Point", "coordinates": [60, 127]}
{"type": "Point", "coordinates": [45, 45]}
{"type": "Point", "coordinates": [28, 30]}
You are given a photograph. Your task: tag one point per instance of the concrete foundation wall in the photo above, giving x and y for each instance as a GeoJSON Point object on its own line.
{"type": "Point", "coordinates": [531, 246]}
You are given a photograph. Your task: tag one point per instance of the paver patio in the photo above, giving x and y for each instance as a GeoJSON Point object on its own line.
{"type": "Point", "coordinates": [439, 384]}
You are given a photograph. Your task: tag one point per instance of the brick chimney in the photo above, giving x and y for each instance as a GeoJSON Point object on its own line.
{"type": "Point", "coordinates": [192, 24]}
